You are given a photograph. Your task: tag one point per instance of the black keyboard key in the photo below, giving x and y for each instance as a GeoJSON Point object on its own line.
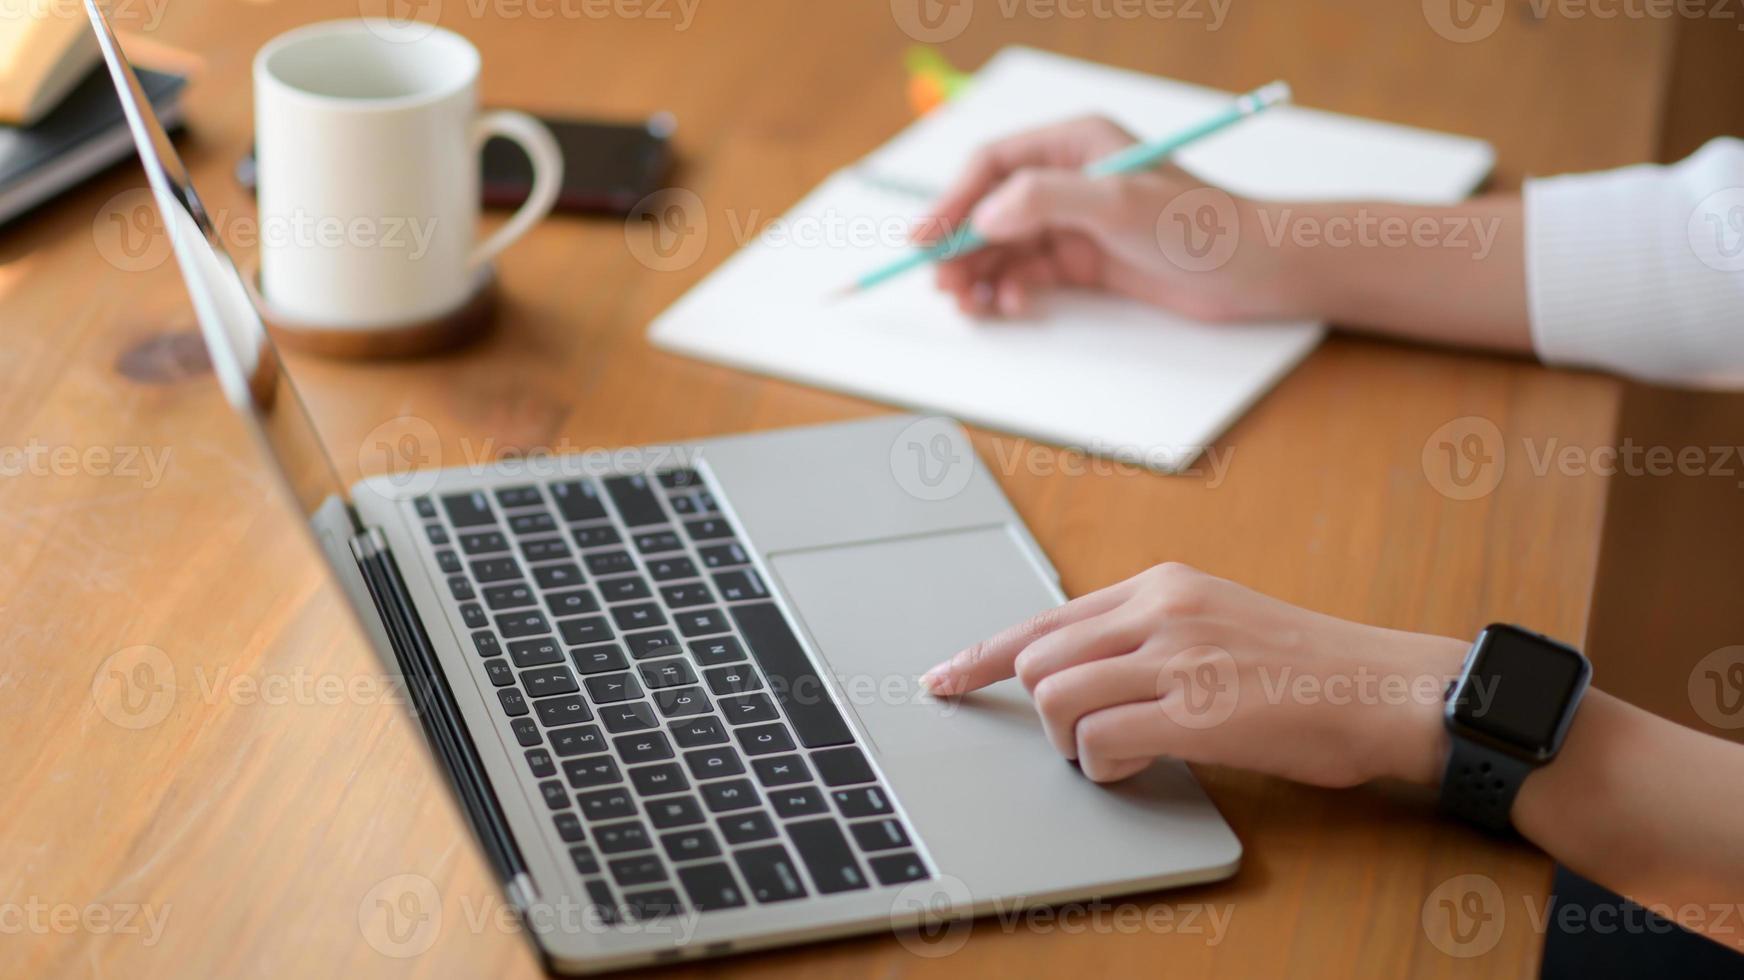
{"type": "Point", "coordinates": [468, 509]}
{"type": "Point", "coordinates": [600, 895]}
{"type": "Point", "coordinates": [746, 709]}
{"type": "Point", "coordinates": [842, 767]}
{"type": "Point", "coordinates": [879, 835]}
{"type": "Point", "coordinates": [557, 712]}
{"type": "Point", "coordinates": [666, 777]}
{"type": "Point", "coordinates": [671, 567]}
{"type": "Point", "coordinates": [543, 682]}
{"type": "Point", "coordinates": [658, 643]}
{"type": "Point", "coordinates": [616, 838]}
{"type": "Point", "coordinates": [545, 549]}
{"type": "Point", "coordinates": [437, 533]}
{"type": "Point", "coordinates": [626, 589]}
{"type": "Point", "coordinates": [565, 575]}
{"type": "Point", "coordinates": [610, 563]}
{"type": "Point", "coordinates": [579, 501]}
{"type": "Point", "coordinates": [577, 740]}
{"type": "Point", "coordinates": [535, 653]}
{"type": "Point", "coordinates": [894, 869]}
{"type": "Point", "coordinates": [525, 731]}
{"type": "Point", "coordinates": [640, 616]}
{"type": "Point", "coordinates": [743, 828]}
{"type": "Point", "coordinates": [645, 869]}
{"type": "Point", "coordinates": [803, 696]}
{"type": "Point", "coordinates": [511, 596]}
{"type": "Point", "coordinates": [607, 804]}
{"type": "Point", "coordinates": [460, 587]}
{"type": "Point", "coordinates": [540, 761]}
{"type": "Point", "coordinates": [635, 499]}
{"type": "Point", "coordinates": [864, 801]}
{"type": "Point", "coordinates": [719, 650]}
{"type": "Point", "coordinates": [741, 584]}
{"type": "Point", "coordinates": [798, 801]}
{"type": "Point", "coordinates": [827, 856]}
{"type": "Point", "coordinates": [598, 659]}
{"type": "Point", "coordinates": [770, 873]}
{"type": "Point", "coordinates": [483, 542]}
{"type": "Point", "coordinates": [514, 705]}
{"type": "Point", "coordinates": [644, 747]}
{"type": "Point", "coordinates": [684, 504]}
{"type": "Point", "coordinates": [448, 561]}
{"type": "Point", "coordinates": [611, 688]}
{"type": "Point", "coordinates": [711, 887]}
{"type": "Point", "coordinates": [678, 479]}
{"type": "Point", "coordinates": [713, 762]}
{"type": "Point", "coordinates": [724, 555]}
{"type": "Point", "coordinates": [666, 673]}
{"type": "Point", "coordinates": [780, 770]}
{"type": "Point", "coordinates": [584, 860]}
{"type": "Point", "coordinates": [516, 624]}
{"type": "Point", "coordinates": [574, 602]}
{"type": "Point", "coordinates": [632, 717]}
{"type": "Point", "coordinates": [589, 773]}
{"type": "Point", "coordinates": [473, 615]}
{"type": "Point", "coordinates": [487, 644]}
{"type": "Point", "coordinates": [681, 702]}
{"type": "Point", "coordinates": [698, 622]}
{"type": "Point", "coordinates": [708, 529]}
{"type": "Point", "coordinates": [598, 536]}
{"type": "Point", "coordinates": [654, 542]}
{"type": "Point", "coordinates": [689, 845]}
{"type": "Point", "coordinates": [764, 739]}
{"type": "Point", "coordinates": [698, 731]}
{"type": "Point", "coordinates": [556, 797]}
{"type": "Point", "coordinates": [686, 594]}
{"type": "Point", "coordinates": [510, 498]}
{"type": "Point", "coordinates": [653, 905]}
{"type": "Point", "coordinates": [569, 827]}
{"type": "Point", "coordinates": [425, 506]}
{"type": "Point", "coordinates": [734, 794]}
{"type": "Point", "coordinates": [499, 672]}
{"type": "Point", "coordinates": [586, 630]}
{"type": "Point", "coordinates": [527, 525]}
{"type": "Point", "coordinates": [675, 811]}
{"type": "Point", "coordinates": [732, 679]}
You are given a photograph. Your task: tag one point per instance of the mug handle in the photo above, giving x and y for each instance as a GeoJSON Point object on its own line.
{"type": "Point", "coordinates": [541, 148]}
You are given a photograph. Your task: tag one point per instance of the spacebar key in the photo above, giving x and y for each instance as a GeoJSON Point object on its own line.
{"type": "Point", "coordinates": [792, 678]}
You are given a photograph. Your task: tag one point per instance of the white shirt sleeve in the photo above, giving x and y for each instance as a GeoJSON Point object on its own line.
{"type": "Point", "coordinates": [1640, 271]}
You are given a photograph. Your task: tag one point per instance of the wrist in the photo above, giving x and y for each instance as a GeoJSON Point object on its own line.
{"type": "Point", "coordinates": [1419, 735]}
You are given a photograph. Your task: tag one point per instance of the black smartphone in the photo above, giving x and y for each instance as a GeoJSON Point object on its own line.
{"type": "Point", "coordinates": [607, 166]}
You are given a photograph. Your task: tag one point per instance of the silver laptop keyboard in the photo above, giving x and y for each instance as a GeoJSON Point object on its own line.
{"type": "Point", "coordinates": [680, 737]}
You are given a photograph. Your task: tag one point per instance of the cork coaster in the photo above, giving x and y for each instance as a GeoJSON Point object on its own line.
{"type": "Point", "coordinates": [413, 338]}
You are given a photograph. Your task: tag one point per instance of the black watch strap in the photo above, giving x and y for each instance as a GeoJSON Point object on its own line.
{"type": "Point", "coordinates": [1480, 784]}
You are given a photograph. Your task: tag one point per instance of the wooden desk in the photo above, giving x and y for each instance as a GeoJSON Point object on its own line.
{"type": "Point", "coordinates": [259, 820]}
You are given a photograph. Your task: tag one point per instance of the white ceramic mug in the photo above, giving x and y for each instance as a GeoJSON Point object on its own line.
{"type": "Point", "coordinates": [367, 173]}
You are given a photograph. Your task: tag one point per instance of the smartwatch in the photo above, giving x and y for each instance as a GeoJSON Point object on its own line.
{"type": "Point", "coordinates": [1507, 714]}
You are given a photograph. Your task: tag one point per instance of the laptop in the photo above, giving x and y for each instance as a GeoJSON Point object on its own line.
{"type": "Point", "coordinates": [675, 689]}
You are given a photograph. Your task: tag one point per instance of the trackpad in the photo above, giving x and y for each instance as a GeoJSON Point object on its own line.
{"type": "Point", "coordinates": [882, 613]}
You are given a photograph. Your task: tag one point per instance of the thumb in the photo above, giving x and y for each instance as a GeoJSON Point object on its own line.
{"type": "Point", "coordinates": [1037, 199]}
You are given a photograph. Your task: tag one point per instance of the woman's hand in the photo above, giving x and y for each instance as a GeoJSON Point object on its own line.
{"type": "Point", "coordinates": [1175, 662]}
{"type": "Point", "coordinates": [1162, 237]}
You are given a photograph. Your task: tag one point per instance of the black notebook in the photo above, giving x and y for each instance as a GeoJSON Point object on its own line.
{"type": "Point", "coordinates": [85, 134]}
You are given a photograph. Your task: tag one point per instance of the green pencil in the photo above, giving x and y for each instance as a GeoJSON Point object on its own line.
{"type": "Point", "coordinates": [1139, 156]}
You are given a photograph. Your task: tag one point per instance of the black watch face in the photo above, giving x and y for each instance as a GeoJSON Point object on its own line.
{"type": "Point", "coordinates": [1519, 690]}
